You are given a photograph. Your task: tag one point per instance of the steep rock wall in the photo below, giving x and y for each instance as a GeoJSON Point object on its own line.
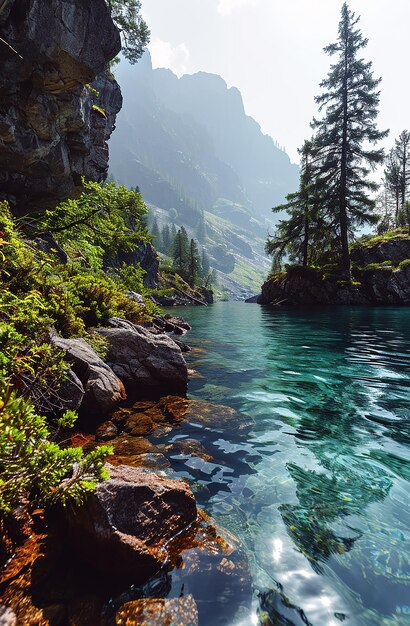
{"type": "Point", "coordinates": [58, 102]}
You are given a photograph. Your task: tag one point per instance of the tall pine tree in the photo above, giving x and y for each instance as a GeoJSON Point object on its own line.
{"type": "Point", "coordinates": [402, 152]}
{"type": "Point", "coordinates": [347, 133]}
{"type": "Point", "coordinates": [194, 264]}
{"type": "Point", "coordinates": [305, 235]}
{"type": "Point", "coordinates": [181, 252]}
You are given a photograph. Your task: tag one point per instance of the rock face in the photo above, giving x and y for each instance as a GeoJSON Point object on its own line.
{"type": "Point", "coordinates": [144, 255]}
{"type": "Point", "coordinates": [126, 523]}
{"type": "Point", "coordinates": [383, 285]}
{"type": "Point", "coordinates": [103, 390]}
{"type": "Point", "coordinates": [58, 103]}
{"type": "Point", "coordinates": [394, 250]}
{"type": "Point", "coordinates": [147, 364]}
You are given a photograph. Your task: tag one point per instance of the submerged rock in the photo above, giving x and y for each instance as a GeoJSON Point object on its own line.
{"type": "Point", "coordinates": [125, 525]}
{"type": "Point", "coordinates": [181, 611]}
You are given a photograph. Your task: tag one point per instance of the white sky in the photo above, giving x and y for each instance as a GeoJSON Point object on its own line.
{"type": "Point", "coordinates": [272, 50]}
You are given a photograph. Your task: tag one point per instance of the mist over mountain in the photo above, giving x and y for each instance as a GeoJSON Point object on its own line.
{"type": "Point", "coordinates": [192, 135]}
{"type": "Point", "coordinates": [189, 146]}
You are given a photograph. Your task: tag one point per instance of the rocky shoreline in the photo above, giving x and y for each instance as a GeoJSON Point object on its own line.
{"type": "Point", "coordinates": [140, 524]}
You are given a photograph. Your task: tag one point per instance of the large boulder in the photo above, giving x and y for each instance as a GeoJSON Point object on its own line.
{"type": "Point", "coordinates": [147, 364]}
{"type": "Point", "coordinates": [124, 527]}
{"type": "Point", "coordinates": [59, 103]}
{"type": "Point", "coordinates": [103, 389]}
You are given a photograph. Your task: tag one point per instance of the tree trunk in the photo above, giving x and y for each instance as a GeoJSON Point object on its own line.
{"type": "Point", "coordinates": [305, 241]}
{"type": "Point", "coordinates": [344, 236]}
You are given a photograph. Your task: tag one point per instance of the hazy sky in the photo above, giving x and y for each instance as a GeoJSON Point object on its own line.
{"type": "Point", "coordinates": [272, 50]}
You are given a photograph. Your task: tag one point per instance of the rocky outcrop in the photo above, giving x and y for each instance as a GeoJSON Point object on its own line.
{"type": "Point", "coordinates": [125, 525]}
{"type": "Point", "coordinates": [103, 389]}
{"type": "Point", "coordinates": [394, 250]}
{"type": "Point", "coordinates": [58, 101]}
{"type": "Point", "coordinates": [376, 286]}
{"type": "Point", "coordinates": [147, 364]}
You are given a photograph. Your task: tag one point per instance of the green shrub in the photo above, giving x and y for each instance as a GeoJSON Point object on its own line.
{"type": "Point", "coordinates": [32, 466]}
{"type": "Point", "coordinates": [404, 263]}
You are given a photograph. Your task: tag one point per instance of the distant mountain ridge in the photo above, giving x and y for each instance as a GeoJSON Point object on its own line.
{"type": "Point", "coordinates": [191, 135]}
{"type": "Point", "coordinates": [189, 146]}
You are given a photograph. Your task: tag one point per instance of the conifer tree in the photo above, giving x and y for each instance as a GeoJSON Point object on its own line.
{"type": "Point", "coordinates": [402, 152]}
{"type": "Point", "coordinates": [347, 133]}
{"type": "Point", "coordinates": [156, 234]}
{"type": "Point", "coordinates": [306, 234]}
{"type": "Point", "coordinates": [181, 251]}
{"type": "Point", "coordinates": [194, 263]}
{"type": "Point", "coordinates": [166, 239]}
{"type": "Point", "coordinates": [393, 183]}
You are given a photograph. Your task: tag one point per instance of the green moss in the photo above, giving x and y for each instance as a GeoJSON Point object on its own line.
{"type": "Point", "coordinates": [404, 263]}
{"type": "Point", "coordinates": [372, 241]}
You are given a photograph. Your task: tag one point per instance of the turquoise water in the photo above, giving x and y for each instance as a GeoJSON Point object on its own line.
{"type": "Point", "coordinates": [318, 489]}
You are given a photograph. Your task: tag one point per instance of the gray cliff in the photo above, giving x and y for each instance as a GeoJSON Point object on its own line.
{"type": "Point", "coordinates": [58, 101]}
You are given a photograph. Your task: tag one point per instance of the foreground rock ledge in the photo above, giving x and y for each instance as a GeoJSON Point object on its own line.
{"type": "Point", "coordinates": [123, 528]}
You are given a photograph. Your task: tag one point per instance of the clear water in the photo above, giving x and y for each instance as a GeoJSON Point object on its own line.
{"type": "Point", "coordinates": [318, 489]}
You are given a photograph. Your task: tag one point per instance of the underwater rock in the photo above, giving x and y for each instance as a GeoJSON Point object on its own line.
{"type": "Point", "coordinates": [159, 612]}
{"type": "Point", "coordinates": [106, 431]}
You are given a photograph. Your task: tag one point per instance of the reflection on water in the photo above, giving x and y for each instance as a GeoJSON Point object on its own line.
{"type": "Point", "coordinates": [318, 488]}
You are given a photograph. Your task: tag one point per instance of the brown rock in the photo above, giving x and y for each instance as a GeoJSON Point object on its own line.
{"type": "Point", "coordinates": [159, 612]}
{"type": "Point", "coordinates": [108, 430]}
{"type": "Point", "coordinates": [126, 524]}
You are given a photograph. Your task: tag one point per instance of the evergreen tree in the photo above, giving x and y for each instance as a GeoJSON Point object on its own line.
{"type": "Point", "coordinates": [306, 234]}
{"type": "Point", "coordinates": [393, 183]}
{"type": "Point", "coordinates": [346, 134]}
{"type": "Point", "coordinates": [181, 251]}
{"type": "Point", "coordinates": [156, 234]}
{"type": "Point", "coordinates": [194, 264]}
{"type": "Point", "coordinates": [166, 239]}
{"type": "Point", "coordinates": [402, 153]}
